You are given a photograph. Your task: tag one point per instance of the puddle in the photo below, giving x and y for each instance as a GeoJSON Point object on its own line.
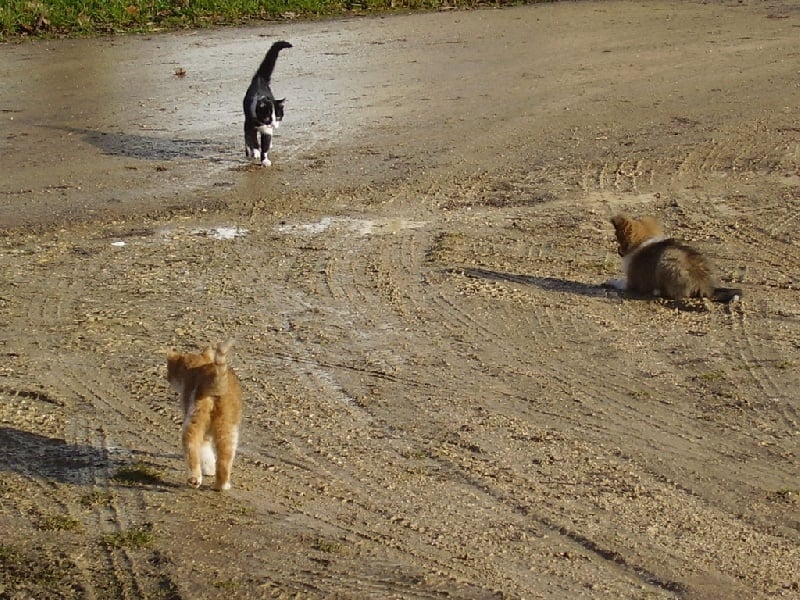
{"type": "Point", "coordinates": [350, 225]}
{"type": "Point", "coordinates": [221, 232]}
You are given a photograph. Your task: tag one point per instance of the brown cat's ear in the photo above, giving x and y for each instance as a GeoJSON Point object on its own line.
{"type": "Point", "coordinates": [171, 354]}
{"type": "Point", "coordinates": [620, 221]}
{"type": "Point", "coordinates": [623, 226]}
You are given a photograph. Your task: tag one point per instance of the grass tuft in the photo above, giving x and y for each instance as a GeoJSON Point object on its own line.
{"type": "Point", "coordinates": [227, 585]}
{"type": "Point", "coordinates": [95, 498]}
{"type": "Point", "coordinates": [58, 523]}
{"type": "Point", "coordinates": [138, 537]}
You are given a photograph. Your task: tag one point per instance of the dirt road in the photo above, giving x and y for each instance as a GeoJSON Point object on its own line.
{"type": "Point", "coordinates": [442, 399]}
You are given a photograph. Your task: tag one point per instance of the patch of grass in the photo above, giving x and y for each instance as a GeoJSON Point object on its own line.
{"type": "Point", "coordinates": [58, 523]}
{"type": "Point", "coordinates": [443, 245]}
{"type": "Point", "coordinates": [414, 454]}
{"type": "Point", "coordinates": [37, 573]}
{"type": "Point", "coordinates": [226, 585]}
{"type": "Point", "coordinates": [9, 557]}
{"type": "Point", "coordinates": [328, 546]}
{"type": "Point", "coordinates": [138, 537]}
{"type": "Point", "coordinates": [243, 511]}
{"type": "Point", "coordinates": [711, 376]}
{"type": "Point", "coordinates": [95, 498]}
{"type": "Point", "coordinates": [138, 474]}
{"type": "Point", "coordinates": [48, 18]}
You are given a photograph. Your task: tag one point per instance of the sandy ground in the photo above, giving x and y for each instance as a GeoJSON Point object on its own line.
{"type": "Point", "coordinates": [442, 398]}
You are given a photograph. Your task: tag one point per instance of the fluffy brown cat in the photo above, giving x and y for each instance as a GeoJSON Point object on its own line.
{"type": "Point", "coordinates": [212, 409]}
{"type": "Point", "coordinates": [660, 266]}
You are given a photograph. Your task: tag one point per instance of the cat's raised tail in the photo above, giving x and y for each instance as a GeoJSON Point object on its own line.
{"type": "Point", "coordinates": [268, 64]}
{"type": "Point", "coordinates": [221, 353]}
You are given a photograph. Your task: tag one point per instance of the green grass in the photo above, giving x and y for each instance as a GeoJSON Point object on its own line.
{"type": "Point", "coordinates": [226, 585]}
{"type": "Point", "coordinates": [55, 18]}
{"type": "Point", "coordinates": [95, 498]}
{"type": "Point", "coordinates": [328, 546]}
{"type": "Point", "coordinates": [443, 244]}
{"type": "Point", "coordinates": [138, 537]}
{"type": "Point", "coordinates": [58, 523]}
{"type": "Point", "coordinates": [9, 557]}
{"type": "Point", "coordinates": [49, 574]}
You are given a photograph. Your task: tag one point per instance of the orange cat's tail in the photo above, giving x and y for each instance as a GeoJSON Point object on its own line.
{"type": "Point", "coordinates": [221, 354]}
{"type": "Point", "coordinates": [219, 368]}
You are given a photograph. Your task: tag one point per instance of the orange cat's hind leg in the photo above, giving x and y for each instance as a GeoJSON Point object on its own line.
{"type": "Point", "coordinates": [194, 431]}
{"type": "Point", "coordinates": [226, 442]}
{"type": "Point", "coordinates": [208, 459]}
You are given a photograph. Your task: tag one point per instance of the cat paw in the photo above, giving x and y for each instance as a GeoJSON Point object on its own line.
{"type": "Point", "coordinates": [224, 487]}
{"type": "Point", "coordinates": [195, 482]}
{"type": "Point", "coordinates": [266, 162]}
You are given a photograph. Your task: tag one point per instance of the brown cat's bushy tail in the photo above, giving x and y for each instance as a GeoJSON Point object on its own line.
{"type": "Point", "coordinates": [726, 294]}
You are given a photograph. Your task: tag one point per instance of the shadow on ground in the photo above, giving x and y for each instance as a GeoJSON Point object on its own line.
{"type": "Point", "coordinates": [152, 147]}
{"type": "Point", "coordinates": [42, 457]}
{"type": "Point", "coordinates": [553, 284]}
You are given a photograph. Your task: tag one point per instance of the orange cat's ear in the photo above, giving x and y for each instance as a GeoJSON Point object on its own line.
{"type": "Point", "coordinates": [171, 354]}
{"type": "Point", "coordinates": [208, 353]}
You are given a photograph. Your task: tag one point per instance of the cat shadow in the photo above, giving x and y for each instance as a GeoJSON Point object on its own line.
{"type": "Point", "coordinates": [31, 454]}
{"type": "Point", "coordinates": [151, 147]}
{"type": "Point", "coordinates": [552, 284]}
{"type": "Point", "coordinates": [54, 459]}
{"type": "Point", "coordinates": [603, 290]}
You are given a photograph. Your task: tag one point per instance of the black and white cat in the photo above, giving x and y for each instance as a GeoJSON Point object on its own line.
{"type": "Point", "coordinates": [262, 112]}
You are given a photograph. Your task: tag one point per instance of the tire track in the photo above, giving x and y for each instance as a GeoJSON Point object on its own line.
{"type": "Point", "coordinates": [456, 321]}
{"type": "Point", "coordinates": [355, 487]}
{"type": "Point", "coordinates": [764, 357]}
{"type": "Point", "coordinates": [106, 567]}
{"type": "Point", "coordinates": [121, 514]}
{"type": "Point", "coordinates": [464, 321]}
{"type": "Point", "coordinates": [326, 474]}
{"type": "Point", "coordinates": [310, 372]}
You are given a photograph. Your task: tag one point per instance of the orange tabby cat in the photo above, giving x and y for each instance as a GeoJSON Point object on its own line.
{"type": "Point", "coordinates": [212, 409]}
{"type": "Point", "coordinates": [660, 266]}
